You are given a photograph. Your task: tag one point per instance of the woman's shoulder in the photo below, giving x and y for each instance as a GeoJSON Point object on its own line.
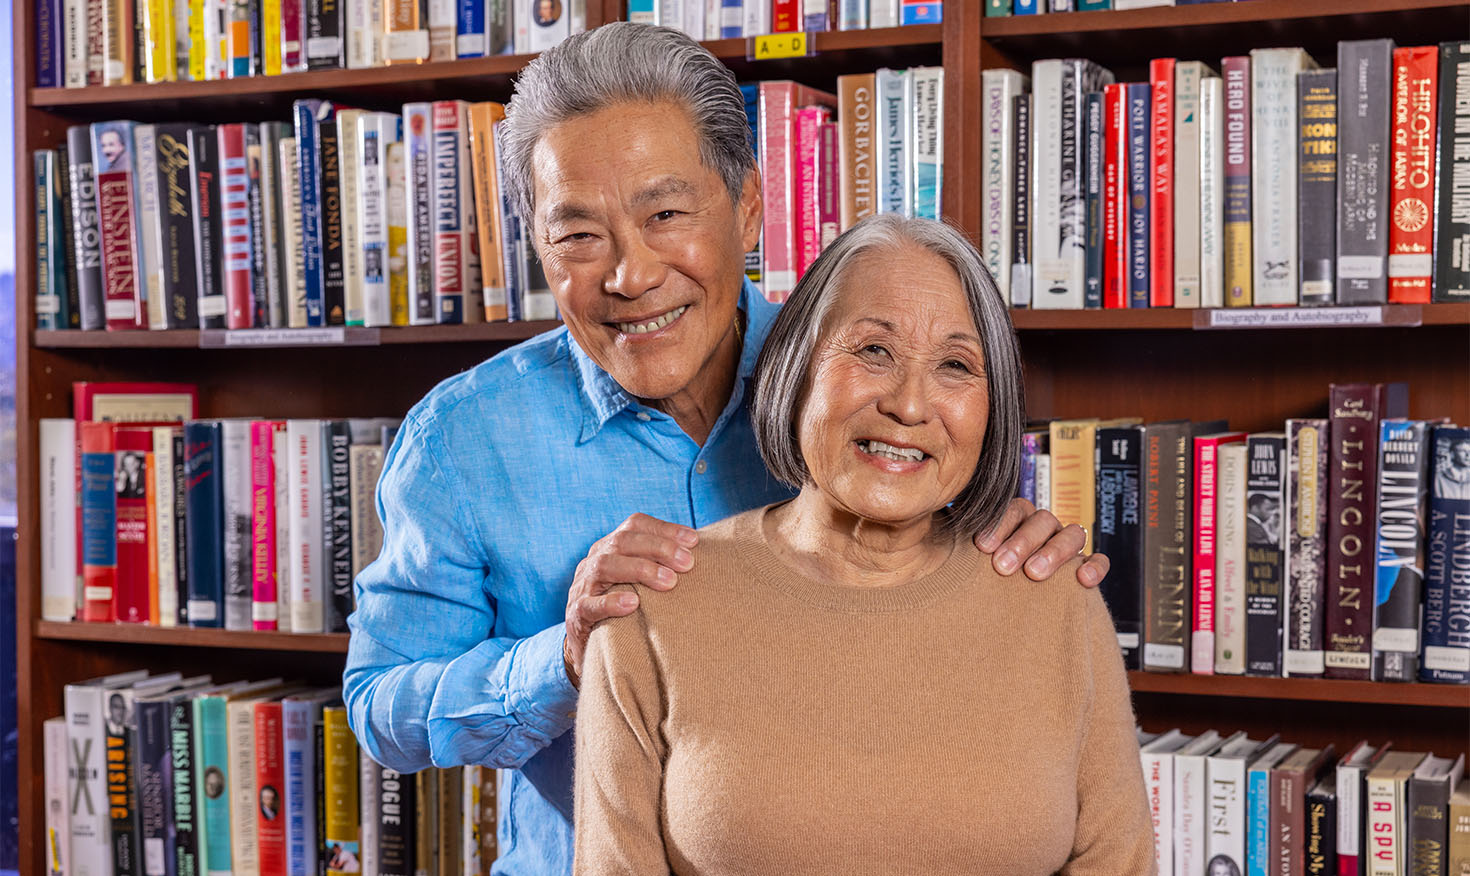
{"type": "Point", "coordinates": [1046, 601]}
{"type": "Point", "coordinates": [721, 568]}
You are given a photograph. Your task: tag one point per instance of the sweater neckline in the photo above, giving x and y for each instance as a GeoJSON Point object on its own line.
{"type": "Point", "coordinates": [957, 570]}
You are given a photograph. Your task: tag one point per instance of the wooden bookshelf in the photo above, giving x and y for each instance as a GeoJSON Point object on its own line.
{"type": "Point", "coordinates": [1156, 364]}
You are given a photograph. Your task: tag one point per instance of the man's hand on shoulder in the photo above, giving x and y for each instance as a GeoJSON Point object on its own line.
{"type": "Point", "coordinates": [1037, 542]}
{"type": "Point", "coordinates": [642, 550]}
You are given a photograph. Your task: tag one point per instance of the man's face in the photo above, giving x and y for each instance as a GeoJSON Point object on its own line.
{"type": "Point", "coordinates": [115, 710]}
{"type": "Point", "coordinates": [112, 145]}
{"type": "Point", "coordinates": [1462, 454]}
{"type": "Point", "coordinates": [642, 246]}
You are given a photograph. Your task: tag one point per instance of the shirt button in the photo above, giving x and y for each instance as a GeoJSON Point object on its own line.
{"type": "Point", "coordinates": [643, 415]}
{"type": "Point", "coordinates": [699, 467]}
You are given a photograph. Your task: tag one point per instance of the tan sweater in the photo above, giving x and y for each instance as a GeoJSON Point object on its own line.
{"type": "Point", "coordinates": [755, 721]}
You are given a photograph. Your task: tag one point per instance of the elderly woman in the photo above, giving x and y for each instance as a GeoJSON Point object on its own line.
{"type": "Point", "coordinates": [884, 701]}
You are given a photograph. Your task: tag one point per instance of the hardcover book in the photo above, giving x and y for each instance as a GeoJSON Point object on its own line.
{"type": "Point", "coordinates": [1206, 449]}
{"type": "Point", "coordinates": [1095, 129]}
{"type": "Point", "coordinates": [329, 165]}
{"type": "Point", "coordinates": [237, 267]}
{"type": "Point", "coordinates": [235, 470]}
{"type": "Point", "coordinates": [1289, 784]}
{"type": "Point", "coordinates": [1161, 190]}
{"type": "Point", "coordinates": [856, 113]}
{"type": "Point", "coordinates": [1119, 463]}
{"type": "Point", "coordinates": [926, 135]}
{"type": "Point", "coordinates": [112, 147]}
{"type": "Point", "coordinates": [1020, 268]}
{"type": "Point", "coordinates": [337, 522]}
{"type": "Point", "coordinates": [397, 805]}
{"type": "Point", "coordinates": [1403, 492]}
{"type": "Point", "coordinates": [208, 223]}
{"type": "Point", "coordinates": [349, 142]}
{"type": "Point", "coordinates": [1387, 811]}
{"type": "Point", "coordinates": [88, 710]}
{"type": "Point", "coordinates": [1274, 172]}
{"type": "Point", "coordinates": [97, 504]}
{"type": "Point", "coordinates": [309, 180]}
{"type": "Point", "coordinates": [1230, 560]}
{"type": "Point", "coordinates": [1189, 77]}
{"type": "Point", "coordinates": [482, 119]}
{"type": "Point", "coordinates": [418, 150]}
{"type": "Point", "coordinates": [1191, 805]}
{"type": "Point", "coordinates": [1452, 229]}
{"type": "Point", "coordinates": [1225, 771]}
{"type": "Point", "coordinates": [895, 93]}
{"type": "Point", "coordinates": [1306, 545]}
{"type": "Point", "coordinates": [1166, 492]}
{"type": "Point", "coordinates": [1258, 835]}
{"type": "Point", "coordinates": [1410, 232]}
{"type": "Point", "coordinates": [1351, 773]}
{"type": "Point", "coordinates": [204, 468]}
{"type": "Point", "coordinates": [86, 230]}
{"type": "Point", "coordinates": [1139, 164]}
{"type": "Point", "coordinates": [1115, 202]}
{"type": "Point", "coordinates": [1446, 607]}
{"type": "Point", "coordinates": [339, 790]}
{"type": "Point", "coordinates": [1319, 857]}
{"type": "Point", "coordinates": [1239, 267]}
{"type": "Point", "coordinates": [179, 269]}
{"type": "Point", "coordinates": [1364, 85]}
{"type": "Point", "coordinates": [1428, 804]}
{"type": "Point", "coordinates": [1317, 185]}
{"type": "Point", "coordinates": [1265, 554]}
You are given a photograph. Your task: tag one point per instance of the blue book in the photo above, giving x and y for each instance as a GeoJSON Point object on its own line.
{"type": "Point", "coordinates": [153, 775]}
{"type": "Point", "coordinates": [513, 247]}
{"type": "Point", "coordinates": [469, 38]}
{"type": "Point", "coordinates": [852, 15]}
{"type": "Point", "coordinates": [204, 527]}
{"type": "Point", "coordinates": [1092, 141]}
{"type": "Point", "coordinates": [641, 11]}
{"type": "Point", "coordinates": [1029, 7]}
{"type": "Point", "coordinates": [50, 62]}
{"type": "Point", "coordinates": [9, 729]}
{"type": "Point", "coordinates": [1258, 810]}
{"type": "Point", "coordinates": [732, 19]}
{"type": "Point", "coordinates": [751, 92]}
{"type": "Point", "coordinates": [920, 13]}
{"type": "Point", "coordinates": [299, 715]}
{"type": "Point", "coordinates": [308, 172]}
{"type": "Point", "coordinates": [1446, 602]}
{"type": "Point", "coordinates": [1140, 107]}
{"type": "Point", "coordinates": [211, 781]}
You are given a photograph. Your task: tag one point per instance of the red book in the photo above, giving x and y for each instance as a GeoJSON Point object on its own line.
{"type": "Point", "coordinates": [132, 445]}
{"type": "Point", "coordinates": [785, 16]}
{"type": "Point", "coordinates": [270, 789]}
{"type": "Point", "coordinates": [1206, 474]}
{"type": "Point", "coordinates": [293, 57]}
{"type": "Point", "coordinates": [263, 547]}
{"type": "Point", "coordinates": [234, 195]}
{"type": "Point", "coordinates": [1411, 203]}
{"type": "Point", "coordinates": [779, 248]}
{"type": "Point", "coordinates": [829, 184]}
{"type": "Point", "coordinates": [809, 120]}
{"type": "Point", "coordinates": [112, 144]}
{"type": "Point", "coordinates": [1161, 219]}
{"type": "Point", "coordinates": [1115, 205]}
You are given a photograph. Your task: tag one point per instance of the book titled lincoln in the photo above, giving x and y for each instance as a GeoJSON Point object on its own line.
{"type": "Point", "coordinates": [1446, 604]}
{"type": "Point", "coordinates": [1364, 72]}
{"type": "Point", "coordinates": [1119, 532]}
{"type": "Point", "coordinates": [1403, 481]}
{"type": "Point", "coordinates": [112, 148]}
{"type": "Point", "coordinates": [1354, 411]}
{"type": "Point", "coordinates": [1452, 200]}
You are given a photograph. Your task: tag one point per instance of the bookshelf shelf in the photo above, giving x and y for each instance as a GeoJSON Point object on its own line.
{"type": "Point", "coordinates": [140, 634]}
{"type": "Point", "coordinates": [1394, 316]}
{"type": "Point", "coordinates": [1311, 689]}
{"type": "Point", "coordinates": [844, 40]}
{"type": "Point", "coordinates": [494, 332]}
{"type": "Point", "coordinates": [1160, 18]}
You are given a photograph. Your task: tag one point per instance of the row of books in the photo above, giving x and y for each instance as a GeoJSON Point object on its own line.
{"type": "Point", "coordinates": [1334, 548]}
{"type": "Point", "coordinates": [163, 775]}
{"type": "Point", "coordinates": [345, 217]}
{"type": "Point", "coordinates": [87, 43]}
{"type": "Point", "coordinates": [1041, 7]}
{"type": "Point", "coordinates": [733, 19]}
{"type": "Point", "coordinates": [241, 524]}
{"type": "Point", "coordinates": [1276, 183]}
{"type": "Point", "coordinates": [1234, 805]}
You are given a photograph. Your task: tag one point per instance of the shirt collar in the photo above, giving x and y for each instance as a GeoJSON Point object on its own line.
{"type": "Point", "coordinates": [604, 398]}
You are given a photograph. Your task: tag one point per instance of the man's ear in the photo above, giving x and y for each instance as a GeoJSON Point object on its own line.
{"type": "Point", "coordinates": [751, 210]}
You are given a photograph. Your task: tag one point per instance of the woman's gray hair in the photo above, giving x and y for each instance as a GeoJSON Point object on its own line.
{"type": "Point", "coordinates": [783, 372]}
{"type": "Point", "coordinates": [617, 63]}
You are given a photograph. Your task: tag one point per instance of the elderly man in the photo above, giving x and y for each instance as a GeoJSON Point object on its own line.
{"type": "Point", "coordinates": [506, 497]}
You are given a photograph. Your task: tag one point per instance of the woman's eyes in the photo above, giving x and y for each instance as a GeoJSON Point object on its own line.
{"type": "Point", "coordinates": [957, 365]}
{"type": "Point", "coordinates": [876, 349]}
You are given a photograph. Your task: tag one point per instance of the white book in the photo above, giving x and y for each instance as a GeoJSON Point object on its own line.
{"type": "Point", "coordinates": [360, 42]}
{"type": "Point", "coordinates": [1043, 481]}
{"type": "Point", "coordinates": [235, 447]}
{"type": "Point", "coordinates": [443, 22]}
{"type": "Point", "coordinates": [1349, 777]}
{"type": "Point", "coordinates": [1048, 79]}
{"type": "Point", "coordinates": [1212, 192]}
{"type": "Point", "coordinates": [161, 494]}
{"type": "Point", "coordinates": [368, 798]}
{"type": "Point", "coordinates": [694, 18]}
{"type": "Point", "coordinates": [1230, 560]}
{"type": "Point", "coordinates": [1273, 173]}
{"type": "Point", "coordinates": [282, 498]}
{"type": "Point", "coordinates": [60, 576]}
{"type": "Point", "coordinates": [349, 139]}
{"type": "Point", "coordinates": [542, 34]}
{"type": "Point", "coordinates": [292, 264]}
{"type": "Point", "coordinates": [469, 831]}
{"type": "Point", "coordinates": [150, 226]}
{"type": "Point", "coordinates": [666, 13]}
{"type": "Point", "coordinates": [304, 481]}
{"type": "Point", "coordinates": [577, 16]}
{"type": "Point", "coordinates": [58, 813]}
{"type": "Point", "coordinates": [1225, 771]}
{"type": "Point", "coordinates": [883, 13]}
{"type": "Point", "coordinates": [1385, 800]}
{"type": "Point", "coordinates": [240, 748]}
{"type": "Point", "coordinates": [74, 43]}
{"type": "Point", "coordinates": [714, 12]}
{"type": "Point", "coordinates": [1191, 806]}
{"type": "Point", "coordinates": [377, 38]}
{"type": "Point", "coordinates": [1187, 79]}
{"type": "Point", "coordinates": [756, 19]}
{"type": "Point", "coordinates": [997, 181]}
{"type": "Point", "coordinates": [215, 30]}
{"type": "Point", "coordinates": [895, 93]}
{"type": "Point", "coordinates": [365, 465]}
{"type": "Point", "coordinates": [1158, 779]}
{"type": "Point", "coordinates": [377, 131]}
{"type": "Point", "coordinates": [926, 139]}
{"type": "Point", "coordinates": [90, 844]}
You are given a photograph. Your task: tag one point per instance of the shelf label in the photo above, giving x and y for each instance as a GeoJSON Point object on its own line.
{"type": "Point", "coordinates": [774, 46]}
{"type": "Point", "coordinates": [1292, 317]}
{"type": "Point", "coordinates": [296, 337]}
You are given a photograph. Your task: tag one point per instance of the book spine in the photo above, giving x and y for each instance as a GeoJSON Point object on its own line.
{"type": "Point", "coordinates": [441, 19]}
{"type": "Point", "coordinates": [1451, 204]}
{"type": "Point", "coordinates": [57, 836]}
{"type": "Point", "coordinates": [235, 260]}
{"type": "Point", "coordinates": [1403, 492]}
{"type": "Point", "coordinates": [96, 44]}
{"type": "Point", "coordinates": [396, 156]}
{"type": "Point", "coordinates": [272, 37]}
{"type": "Point", "coordinates": [1139, 202]}
{"type": "Point", "coordinates": [262, 526]}
{"type": "Point", "coordinates": [119, 47]}
{"type": "Point", "coordinates": [895, 109]}
{"type": "Point", "coordinates": [469, 39]}
{"type": "Point", "coordinates": [235, 462]}
{"type": "Point", "coordinates": [1166, 492]}
{"type": "Point", "coordinates": [181, 517]}
{"type": "Point", "coordinates": [1093, 224]}
{"type": "Point", "coordinates": [372, 219]}
{"type": "Point", "coordinates": [300, 787]}
{"type": "Point", "coordinates": [1029, 449]}
{"type": "Point", "coordinates": [1317, 185]}
{"type": "Point", "coordinates": [309, 201]}
{"type": "Point", "coordinates": [1320, 853]}
{"type": "Point", "coordinates": [449, 245]}
{"type": "Point", "coordinates": [131, 445]}
{"type": "Point", "coordinates": [1258, 822]}
{"type": "Point", "coordinates": [322, 20]}
{"type": "Point", "coordinates": [1446, 606]}
{"type": "Point", "coordinates": [122, 801]}
{"type": "Point", "coordinates": [50, 300]}
{"type": "Point", "coordinates": [406, 32]}
{"type": "Point", "coordinates": [255, 207]}
{"type": "Point", "coordinates": [512, 250]}
{"type": "Point", "coordinates": [418, 144]}
{"type": "Point", "coordinates": [339, 791]}
{"type": "Point", "coordinates": [329, 163]}
{"type": "Point", "coordinates": [183, 809]}
{"type": "Point", "coordinates": [271, 220]}
{"type": "Point", "coordinates": [1202, 630]}
{"type": "Point", "coordinates": [1161, 192]}
{"type": "Point", "coordinates": [116, 212]}
{"type": "Point", "coordinates": [244, 790]}
{"type": "Point", "coordinates": [58, 478]}
{"type": "Point", "coordinates": [778, 244]}
{"type": "Point", "coordinates": [927, 141]}
{"type": "Point", "coordinates": [1119, 532]}
{"type": "Point", "coordinates": [1021, 147]}
{"type": "Point", "coordinates": [804, 189]}
{"type": "Point", "coordinates": [369, 800]}
{"type": "Point", "coordinates": [293, 262]}
{"type": "Point", "coordinates": [997, 158]}
{"type": "Point", "coordinates": [293, 36]}
{"type": "Point", "coordinates": [86, 228]}
{"type": "Point", "coordinates": [1212, 192]}
{"type": "Point", "coordinates": [49, 54]}
{"type": "Point", "coordinates": [212, 785]}
{"type": "Point", "coordinates": [1050, 81]}
{"type": "Point", "coordinates": [1350, 821]}
{"type": "Point", "coordinates": [1410, 233]}
{"type": "Point", "coordinates": [1306, 507]}
{"type": "Point", "coordinates": [307, 571]}
{"type": "Point", "coordinates": [1354, 411]}
{"type": "Point", "coordinates": [204, 192]}
{"type": "Point", "coordinates": [1188, 76]}
{"type": "Point", "coordinates": [98, 501]}
{"type": "Point", "coordinates": [179, 292]}
{"type": "Point", "coordinates": [149, 230]}
{"type": "Point", "coordinates": [1265, 558]}
{"type": "Point", "coordinates": [1365, 70]}
{"type": "Point", "coordinates": [1158, 779]}
{"type": "Point", "coordinates": [829, 185]}
{"type": "Point", "coordinates": [1385, 824]}
{"type": "Point", "coordinates": [280, 465]}
{"type": "Point", "coordinates": [1238, 143]}
{"type": "Point", "coordinates": [1273, 174]}
{"type": "Point", "coordinates": [73, 44]}
{"type": "Point", "coordinates": [1073, 485]}
{"type": "Point", "coordinates": [90, 846]}
{"type": "Point", "coordinates": [1230, 560]}
{"type": "Point", "coordinates": [162, 503]}
{"type": "Point", "coordinates": [1190, 814]}
{"type": "Point", "coordinates": [270, 779]}
{"type": "Point", "coordinates": [337, 462]}
{"type": "Point", "coordinates": [238, 59]}
{"type": "Point", "coordinates": [349, 142]}
{"type": "Point", "coordinates": [397, 794]}
{"type": "Point", "coordinates": [1115, 206]}
{"type": "Point", "coordinates": [205, 524]}
{"type": "Point", "coordinates": [1459, 839]}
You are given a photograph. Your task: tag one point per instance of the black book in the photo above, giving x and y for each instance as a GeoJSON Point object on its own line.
{"type": "Point", "coordinates": [1364, 87]}
{"type": "Point", "coordinates": [153, 769]}
{"type": "Point", "coordinates": [176, 208]}
{"type": "Point", "coordinates": [86, 230]}
{"type": "Point", "coordinates": [1403, 499]}
{"type": "Point", "coordinates": [1320, 853]}
{"type": "Point", "coordinates": [185, 808]}
{"type": "Point", "coordinates": [1429, 801]}
{"type": "Point", "coordinates": [122, 799]}
{"type": "Point", "coordinates": [1316, 92]}
{"type": "Point", "coordinates": [324, 34]}
{"type": "Point", "coordinates": [181, 544]}
{"type": "Point", "coordinates": [396, 823]}
{"type": "Point", "coordinates": [259, 296]}
{"type": "Point", "coordinates": [337, 520]}
{"type": "Point", "coordinates": [68, 238]}
{"type": "Point", "coordinates": [1021, 227]}
{"type": "Point", "coordinates": [208, 225]}
{"type": "Point", "coordinates": [1265, 566]}
{"type": "Point", "coordinates": [319, 767]}
{"type": "Point", "coordinates": [1093, 140]}
{"type": "Point", "coordinates": [1452, 202]}
{"type": "Point", "coordinates": [1119, 533]}
{"type": "Point", "coordinates": [334, 309]}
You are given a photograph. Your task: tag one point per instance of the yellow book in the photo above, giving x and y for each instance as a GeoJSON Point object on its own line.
{"type": "Point", "coordinates": [270, 25]}
{"type": "Point", "coordinates": [397, 233]}
{"type": "Point", "coordinates": [339, 774]}
{"type": "Point", "coordinates": [198, 48]}
{"type": "Point", "coordinates": [117, 46]}
{"type": "Point", "coordinates": [158, 29]}
{"type": "Point", "coordinates": [483, 117]}
{"type": "Point", "coordinates": [1074, 471]}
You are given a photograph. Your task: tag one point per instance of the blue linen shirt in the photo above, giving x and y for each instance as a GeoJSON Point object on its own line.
{"type": "Point", "coordinates": [497, 485]}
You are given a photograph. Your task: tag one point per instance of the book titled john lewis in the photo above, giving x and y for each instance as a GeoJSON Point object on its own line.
{"type": "Point", "coordinates": [1403, 481]}
{"type": "Point", "coordinates": [1364, 87]}
{"type": "Point", "coordinates": [1452, 201]}
{"type": "Point", "coordinates": [1354, 411]}
{"type": "Point", "coordinates": [1265, 557]}
{"type": "Point", "coordinates": [1447, 561]}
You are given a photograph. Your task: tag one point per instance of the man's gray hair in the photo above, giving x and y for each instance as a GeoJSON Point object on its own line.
{"type": "Point", "coordinates": [783, 372]}
{"type": "Point", "coordinates": [617, 63]}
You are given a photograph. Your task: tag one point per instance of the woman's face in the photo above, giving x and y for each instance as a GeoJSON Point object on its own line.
{"type": "Point", "coordinates": [897, 404]}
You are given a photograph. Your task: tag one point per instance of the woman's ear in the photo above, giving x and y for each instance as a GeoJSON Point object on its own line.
{"type": "Point", "coordinates": [751, 210]}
